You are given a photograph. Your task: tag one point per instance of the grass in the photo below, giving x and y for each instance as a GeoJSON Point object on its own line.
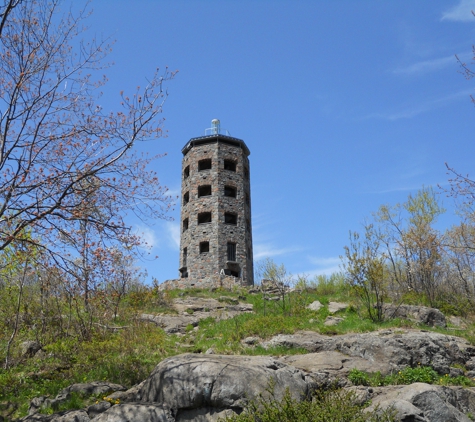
{"type": "Point", "coordinates": [407, 376]}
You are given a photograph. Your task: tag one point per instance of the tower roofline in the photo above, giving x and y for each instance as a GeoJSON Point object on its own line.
{"type": "Point", "coordinates": [215, 138]}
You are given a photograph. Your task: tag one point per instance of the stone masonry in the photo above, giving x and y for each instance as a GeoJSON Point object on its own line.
{"type": "Point", "coordinates": [216, 232]}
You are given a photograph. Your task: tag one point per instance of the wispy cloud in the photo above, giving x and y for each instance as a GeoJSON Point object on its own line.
{"type": "Point", "coordinates": [433, 65]}
{"type": "Point", "coordinates": [462, 12]}
{"type": "Point", "coordinates": [323, 266]}
{"type": "Point", "coordinates": [173, 231]}
{"type": "Point", "coordinates": [268, 250]}
{"type": "Point", "coordinates": [426, 66]}
{"type": "Point", "coordinates": [420, 108]}
{"type": "Point", "coordinates": [148, 236]}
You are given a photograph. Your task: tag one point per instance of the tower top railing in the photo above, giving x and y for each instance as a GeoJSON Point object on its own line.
{"type": "Point", "coordinates": [215, 129]}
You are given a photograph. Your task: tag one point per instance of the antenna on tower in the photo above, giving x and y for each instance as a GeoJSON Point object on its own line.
{"type": "Point", "coordinates": [215, 128]}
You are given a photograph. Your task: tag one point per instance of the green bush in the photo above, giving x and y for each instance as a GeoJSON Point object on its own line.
{"type": "Point", "coordinates": [326, 406]}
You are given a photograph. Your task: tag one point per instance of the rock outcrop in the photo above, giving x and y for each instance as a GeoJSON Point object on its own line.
{"type": "Point", "coordinates": [191, 310]}
{"type": "Point", "coordinates": [387, 350]}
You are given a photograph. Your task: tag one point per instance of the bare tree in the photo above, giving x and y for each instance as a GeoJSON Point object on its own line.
{"type": "Point", "coordinates": [58, 147]}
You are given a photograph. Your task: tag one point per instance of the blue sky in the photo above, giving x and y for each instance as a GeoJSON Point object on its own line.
{"type": "Point", "coordinates": [345, 105]}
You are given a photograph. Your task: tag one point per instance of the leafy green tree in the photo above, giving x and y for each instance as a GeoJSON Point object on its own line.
{"type": "Point", "coordinates": [412, 245]}
{"type": "Point", "coordinates": [365, 270]}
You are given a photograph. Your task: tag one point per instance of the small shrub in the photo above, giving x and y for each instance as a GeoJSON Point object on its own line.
{"type": "Point", "coordinates": [333, 405]}
{"type": "Point", "coordinates": [358, 377]}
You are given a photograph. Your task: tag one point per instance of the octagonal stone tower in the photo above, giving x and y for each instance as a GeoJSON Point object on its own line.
{"type": "Point", "coordinates": [216, 233]}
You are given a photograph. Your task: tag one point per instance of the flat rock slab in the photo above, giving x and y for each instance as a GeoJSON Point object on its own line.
{"type": "Point", "coordinates": [386, 350]}
{"type": "Point", "coordinates": [333, 362]}
{"type": "Point", "coordinates": [192, 310]}
{"type": "Point", "coordinates": [68, 416]}
{"type": "Point", "coordinates": [135, 412]}
{"type": "Point", "coordinates": [93, 388]}
{"type": "Point", "coordinates": [198, 304]}
{"type": "Point", "coordinates": [190, 381]}
{"type": "Point", "coordinates": [315, 306]}
{"type": "Point", "coordinates": [336, 306]}
{"type": "Point", "coordinates": [331, 321]}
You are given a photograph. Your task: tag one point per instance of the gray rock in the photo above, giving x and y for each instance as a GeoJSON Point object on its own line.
{"type": "Point", "coordinates": [142, 412]}
{"type": "Point", "coordinates": [36, 404]}
{"type": "Point", "coordinates": [250, 341]}
{"type": "Point", "coordinates": [29, 348]}
{"type": "Point", "coordinates": [437, 403]}
{"type": "Point", "coordinates": [420, 314]}
{"type": "Point", "coordinates": [309, 340]}
{"type": "Point", "coordinates": [93, 388]}
{"type": "Point", "coordinates": [404, 410]}
{"type": "Point", "coordinates": [334, 307]}
{"type": "Point", "coordinates": [387, 350]}
{"type": "Point", "coordinates": [131, 395]}
{"type": "Point", "coordinates": [330, 321]}
{"type": "Point", "coordinates": [219, 382]}
{"type": "Point", "coordinates": [191, 310]}
{"type": "Point", "coordinates": [68, 416]}
{"type": "Point", "coordinates": [98, 408]}
{"type": "Point", "coordinates": [203, 415]}
{"type": "Point", "coordinates": [315, 306]}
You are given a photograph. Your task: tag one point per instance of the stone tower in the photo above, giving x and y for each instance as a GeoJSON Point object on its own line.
{"type": "Point", "coordinates": [216, 233]}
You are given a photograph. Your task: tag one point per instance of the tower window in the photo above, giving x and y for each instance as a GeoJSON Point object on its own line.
{"type": "Point", "coordinates": [249, 255]}
{"type": "Point", "coordinates": [246, 173]}
{"type": "Point", "coordinates": [247, 199]}
{"type": "Point", "coordinates": [230, 191]}
{"type": "Point", "coordinates": [229, 165]}
{"type": "Point", "coordinates": [204, 190]}
{"type": "Point", "coordinates": [204, 217]}
{"type": "Point", "coordinates": [204, 164]}
{"type": "Point", "coordinates": [248, 225]}
{"type": "Point", "coordinates": [204, 247]}
{"type": "Point", "coordinates": [231, 251]}
{"type": "Point", "coordinates": [186, 198]}
{"type": "Point", "coordinates": [185, 256]}
{"type": "Point", "coordinates": [230, 218]}
{"type": "Point", "coordinates": [186, 172]}
{"type": "Point", "coordinates": [185, 224]}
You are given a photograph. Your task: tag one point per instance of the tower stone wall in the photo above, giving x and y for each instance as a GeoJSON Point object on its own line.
{"type": "Point", "coordinates": [216, 232]}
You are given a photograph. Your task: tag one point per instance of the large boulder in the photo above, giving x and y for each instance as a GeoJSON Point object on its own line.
{"type": "Point", "coordinates": [213, 383]}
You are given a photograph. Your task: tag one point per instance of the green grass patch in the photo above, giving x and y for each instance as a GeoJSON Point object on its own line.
{"type": "Point", "coordinates": [406, 376]}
